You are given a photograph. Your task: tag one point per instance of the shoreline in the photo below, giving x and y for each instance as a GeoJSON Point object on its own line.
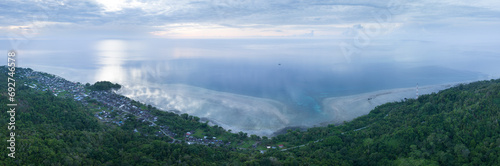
{"type": "Point", "coordinates": [347, 108]}
{"type": "Point", "coordinates": [265, 117]}
{"type": "Point", "coordinates": [262, 116]}
{"type": "Point", "coordinates": [234, 112]}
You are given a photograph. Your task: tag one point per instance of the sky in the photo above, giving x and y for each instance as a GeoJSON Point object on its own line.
{"type": "Point", "coordinates": [251, 18]}
{"type": "Point", "coordinates": [452, 33]}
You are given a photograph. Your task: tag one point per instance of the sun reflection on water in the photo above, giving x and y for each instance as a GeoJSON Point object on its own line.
{"type": "Point", "coordinates": [111, 55]}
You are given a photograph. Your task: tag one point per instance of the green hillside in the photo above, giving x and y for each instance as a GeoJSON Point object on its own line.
{"type": "Point", "coordinates": [457, 126]}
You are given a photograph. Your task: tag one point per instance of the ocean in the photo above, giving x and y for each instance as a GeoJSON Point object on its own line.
{"type": "Point", "coordinates": [246, 84]}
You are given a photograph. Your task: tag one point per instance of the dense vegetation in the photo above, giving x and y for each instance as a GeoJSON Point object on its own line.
{"type": "Point", "coordinates": [457, 126]}
{"type": "Point", "coordinates": [103, 86]}
{"type": "Point", "coordinates": [52, 130]}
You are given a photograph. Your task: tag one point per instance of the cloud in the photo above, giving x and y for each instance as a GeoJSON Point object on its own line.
{"type": "Point", "coordinates": [241, 17]}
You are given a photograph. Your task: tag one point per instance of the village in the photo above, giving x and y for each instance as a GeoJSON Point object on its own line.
{"type": "Point", "coordinates": [114, 107]}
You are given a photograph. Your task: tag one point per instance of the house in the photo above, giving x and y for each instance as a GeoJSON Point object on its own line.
{"type": "Point", "coordinates": [269, 147]}
{"type": "Point", "coordinates": [281, 146]}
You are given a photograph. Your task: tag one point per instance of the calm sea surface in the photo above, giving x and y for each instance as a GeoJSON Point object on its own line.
{"type": "Point", "coordinates": [298, 73]}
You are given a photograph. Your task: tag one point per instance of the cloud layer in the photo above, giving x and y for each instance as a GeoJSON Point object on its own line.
{"type": "Point", "coordinates": [239, 18]}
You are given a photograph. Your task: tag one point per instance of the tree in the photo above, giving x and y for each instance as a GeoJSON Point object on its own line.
{"type": "Point", "coordinates": [254, 137]}
{"type": "Point", "coordinates": [104, 86]}
{"type": "Point", "coordinates": [185, 116]}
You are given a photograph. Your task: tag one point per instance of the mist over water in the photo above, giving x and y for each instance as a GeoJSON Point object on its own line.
{"type": "Point", "coordinates": [258, 86]}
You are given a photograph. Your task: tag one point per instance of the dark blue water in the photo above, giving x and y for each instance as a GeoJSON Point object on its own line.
{"type": "Point", "coordinates": [302, 87]}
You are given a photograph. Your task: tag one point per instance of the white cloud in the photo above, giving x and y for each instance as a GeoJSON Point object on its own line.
{"type": "Point", "coordinates": [118, 5]}
{"type": "Point", "coordinates": [210, 30]}
{"type": "Point", "coordinates": [246, 18]}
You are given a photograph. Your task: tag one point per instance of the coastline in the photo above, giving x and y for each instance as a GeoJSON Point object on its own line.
{"type": "Point", "coordinates": [234, 112]}
{"type": "Point", "coordinates": [347, 108]}
{"type": "Point", "coordinates": [260, 116]}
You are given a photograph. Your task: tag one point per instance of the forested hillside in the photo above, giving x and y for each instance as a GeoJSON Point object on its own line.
{"type": "Point", "coordinates": [457, 126]}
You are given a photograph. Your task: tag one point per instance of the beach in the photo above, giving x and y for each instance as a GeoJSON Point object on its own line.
{"type": "Point", "coordinates": [231, 111]}
{"type": "Point", "coordinates": [261, 116]}
{"type": "Point", "coordinates": [346, 108]}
